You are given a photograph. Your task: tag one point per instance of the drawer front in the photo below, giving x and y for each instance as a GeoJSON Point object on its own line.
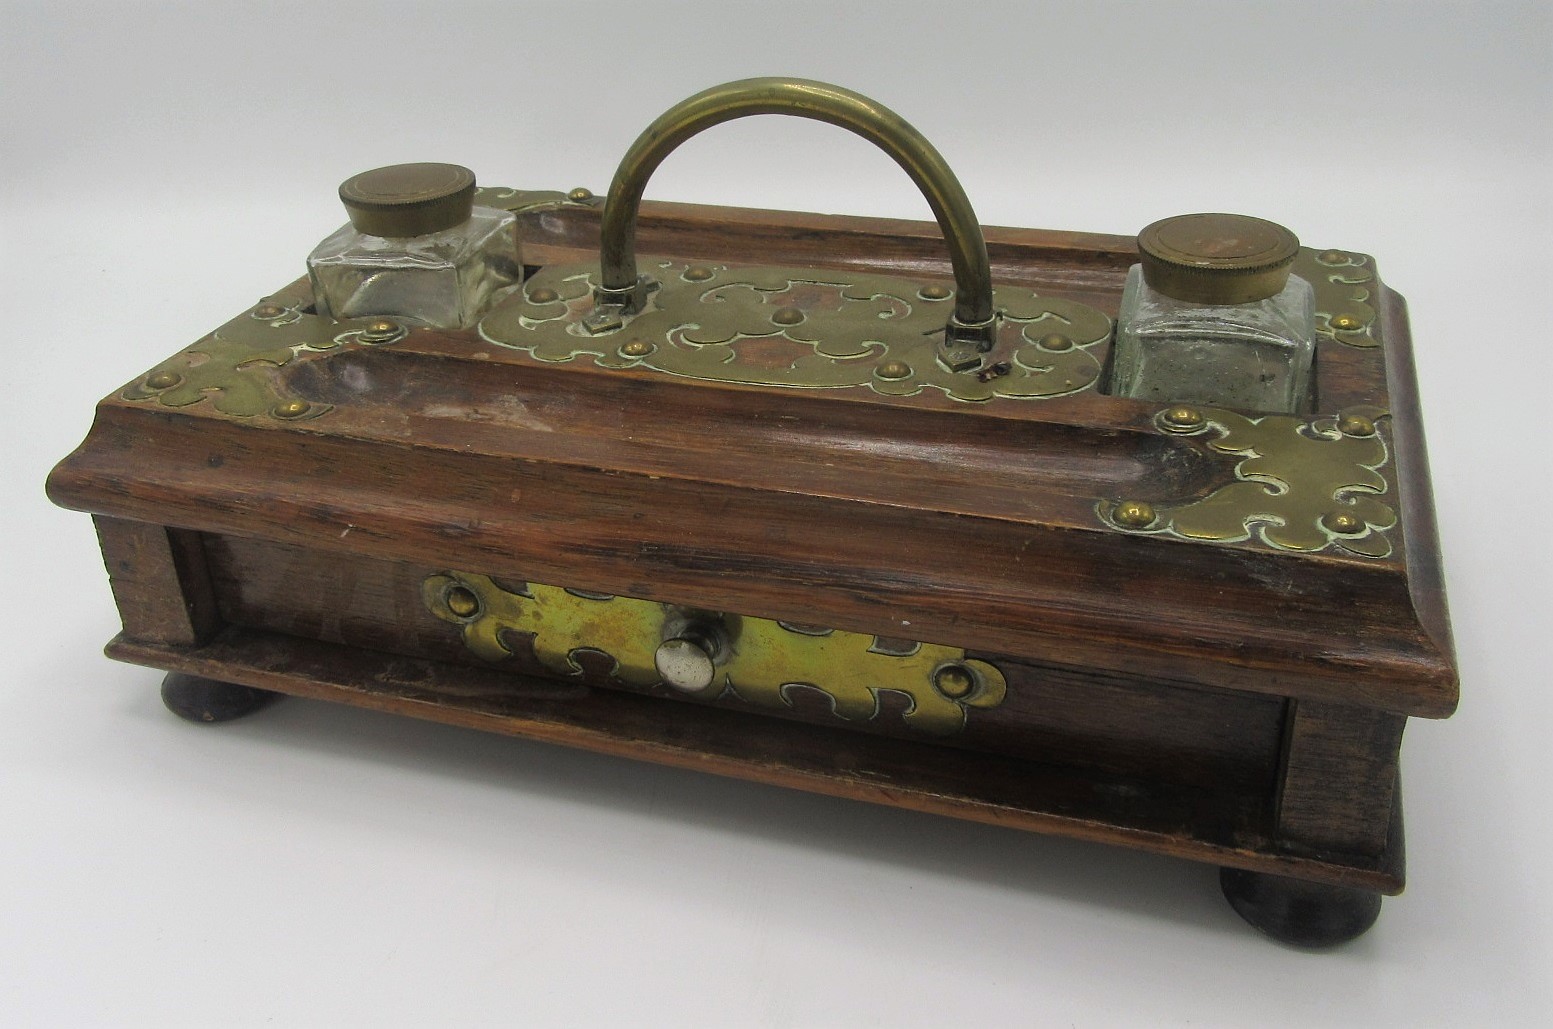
{"type": "Point", "coordinates": [934, 693]}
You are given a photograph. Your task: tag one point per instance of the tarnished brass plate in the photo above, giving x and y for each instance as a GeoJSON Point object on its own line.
{"type": "Point", "coordinates": [234, 368]}
{"type": "Point", "coordinates": [1303, 485]}
{"type": "Point", "coordinates": [1344, 285]}
{"type": "Point", "coordinates": [804, 328]}
{"type": "Point", "coordinates": [766, 660]}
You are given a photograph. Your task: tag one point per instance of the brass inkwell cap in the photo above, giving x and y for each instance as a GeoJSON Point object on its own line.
{"type": "Point", "coordinates": [1217, 258]}
{"type": "Point", "coordinates": [409, 199]}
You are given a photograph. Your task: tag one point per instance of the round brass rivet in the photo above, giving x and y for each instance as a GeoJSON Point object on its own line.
{"type": "Point", "coordinates": [463, 602]}
{"type": "Point", "coordinates": [378, 331]}
{"type": "Point", "coordinates": [1182, 418]}
{"type": "Point", "coordinates": [935, 292]}
{"type": "Point", "coordinates": [893, 370]}
{"type": "Point", "coordinates": [1342, 522]}
{"type": "Point", "coordinates": [580, 194]}
{"type": "Point", "coordinates": [1333, 257]}
{"type": "Point", "coordinates": [637, 348]}
{"type": "Point", "coordinates": [954, 681]}
{"type": "Point", "coordinates": [1346, 323]}
{"type": "Point", "coordinates": [1055, 341]}
{"type": "Point", "coordinates": [700, 273]}
{"type": "Point", "coordinates": [787, 316]}
{"type": "Point", "coordinates": [290, 409]}
{"type": "Point", "coordinates": [163, 380]}
{"type": "Point", "coordinates": [268, 311]}
{"type": "Point", "coordinates": [1355, 425]}
{"type": "Point", "coordinates": [543, 295]}
{"type": "Point", "coordinates": [1135, 514]}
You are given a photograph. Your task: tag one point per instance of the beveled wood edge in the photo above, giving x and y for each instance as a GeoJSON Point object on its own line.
{"type": "Point", "coordinates": [671, 228]}
{"type": "Point", "coordinates": [1117, 247]}
{"type": "Point", "coordinates": [1383, 874]}
{"type": "Point", "coordinates": [1425, 567]}
{"type": "Point", "coordinates": [73, 484]}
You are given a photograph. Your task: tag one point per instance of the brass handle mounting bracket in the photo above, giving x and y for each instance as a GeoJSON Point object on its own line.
{"type": "Point", "coordinates": [972, 328]}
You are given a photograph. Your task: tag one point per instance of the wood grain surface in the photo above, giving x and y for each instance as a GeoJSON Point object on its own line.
{"type": "Point", "coordinates": [1227, 702]}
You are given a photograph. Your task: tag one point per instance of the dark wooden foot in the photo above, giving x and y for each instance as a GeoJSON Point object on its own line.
{"type": "Point", "coordinates": [1303, 913]}
{"type": "Point", "coordinates": [206, 700]}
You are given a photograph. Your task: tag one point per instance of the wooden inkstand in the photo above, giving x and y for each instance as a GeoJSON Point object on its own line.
{"type": "Point", "coordinates": [1014, 537]}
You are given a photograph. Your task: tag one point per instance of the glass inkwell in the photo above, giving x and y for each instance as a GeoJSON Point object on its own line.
{"type": "Point", "coordinates": [416, 249]}
{"type": "Point", "coordinates": [1211, 315]}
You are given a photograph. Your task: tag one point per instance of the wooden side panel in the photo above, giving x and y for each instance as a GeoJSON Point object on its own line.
{"type": "Point", "coordinates": [160, 581]}
{"type": "Point", "coordinates": [1214, 740]}
{"type": "Point", "coordinates": [1340, 771]}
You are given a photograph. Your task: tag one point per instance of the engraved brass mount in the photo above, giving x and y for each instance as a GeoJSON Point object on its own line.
{"type": "Point", "coordinates": [1342, 282]}
{"type": "Point", "coordinates": [1301, 485]}
{"type": "Point", "coordinates": [758, 661]}
{"type": "Point", "coordinates": [235, 367]}
{"type": "Point", "coordinates": [805, 328]}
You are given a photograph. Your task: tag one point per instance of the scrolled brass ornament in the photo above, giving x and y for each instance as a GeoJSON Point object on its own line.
{"type": "Point", "coordinates": [765, 662]}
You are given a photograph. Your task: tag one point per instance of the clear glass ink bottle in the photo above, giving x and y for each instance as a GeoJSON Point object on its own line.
{"type": "Point", "coordinates": [416, 249]}
{"type": "Point", "coordinates": [1211, 315]}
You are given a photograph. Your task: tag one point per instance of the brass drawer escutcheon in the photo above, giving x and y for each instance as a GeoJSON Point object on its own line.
{"type": "Point", "coordinates": [762, 661]}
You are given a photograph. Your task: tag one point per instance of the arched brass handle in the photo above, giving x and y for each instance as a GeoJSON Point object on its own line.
{"type": "Point", "coordinates": [974, 319]}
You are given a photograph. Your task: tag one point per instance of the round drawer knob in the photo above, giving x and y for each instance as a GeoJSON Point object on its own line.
{"type": "Point", "coordinates": [686, 664]}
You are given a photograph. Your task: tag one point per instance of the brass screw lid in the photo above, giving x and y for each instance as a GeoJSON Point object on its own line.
{"type": "Point", "coordinates": [409, 199]}
{"type": "Point", "coordinates": [1217, 258]}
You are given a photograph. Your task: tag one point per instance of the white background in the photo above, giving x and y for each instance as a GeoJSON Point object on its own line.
{"type": "Point", "coordinates": [165, 165]}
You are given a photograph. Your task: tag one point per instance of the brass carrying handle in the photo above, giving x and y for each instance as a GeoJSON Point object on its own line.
{"type": "Point", "coordinates": [974, 318]}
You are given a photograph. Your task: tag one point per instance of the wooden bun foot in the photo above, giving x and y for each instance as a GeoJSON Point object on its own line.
{"type": "Point", "coordinates": [206, 700]}
{"type": "Point", "coordinates": [1301, 913]}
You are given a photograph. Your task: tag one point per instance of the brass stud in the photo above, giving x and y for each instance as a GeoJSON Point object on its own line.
{"type": "Point", "coordinates": [787, 316]}
{"type": "Point", "coordinates": [463, 602]}
{"type": "Point", "coordinates": [380, 330]}
{"type": "Point", "coordinates": [1181, 418]}
{"type": "Point", "coordinates": [637, 348]}
{"type": "Point", "coordinates": [580, 195]}
{"type": "Point", "coordinates": [1134, 514]}
{"type": "Point", "coordinates": [935, 292]}
{"type": "Point", "coordinates": [291, 409]}
{"type": "Point", "coordinates": [954, 681]}
{"type": "Point", "coordinates": [163, 380]}
{"type": "Point", "coordinates": [893, 370]}
{"type": "Point", "coordinates": [1055, 341]}
{"type": "Point", "coordinates": [1333, 257]}
{"type": "Point", "coordinates": [543, 295]}
{"type": "Point", "coordinates": [699, 273]}
{"type": "Point", "coordinates": [1346, 323]}
{"type": "Point", "coordinates": [1355, 425]}
{"type": "Point", "coordinates": [1343, 523]}
{"type": "Point", "coordinates": [268, 311]}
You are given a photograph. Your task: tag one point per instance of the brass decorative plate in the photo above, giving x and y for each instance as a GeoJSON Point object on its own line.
{"type": "Point", "coordinates": [234, 367]}
{"type": "Point", "coordinates": [1343, 283]}
{"type": "Point", "coordinates": [766, 659]}
{"type": "Point", "coordinates": [1300, 485]}
{"type": "Point", "coordinates": [805, 328]}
